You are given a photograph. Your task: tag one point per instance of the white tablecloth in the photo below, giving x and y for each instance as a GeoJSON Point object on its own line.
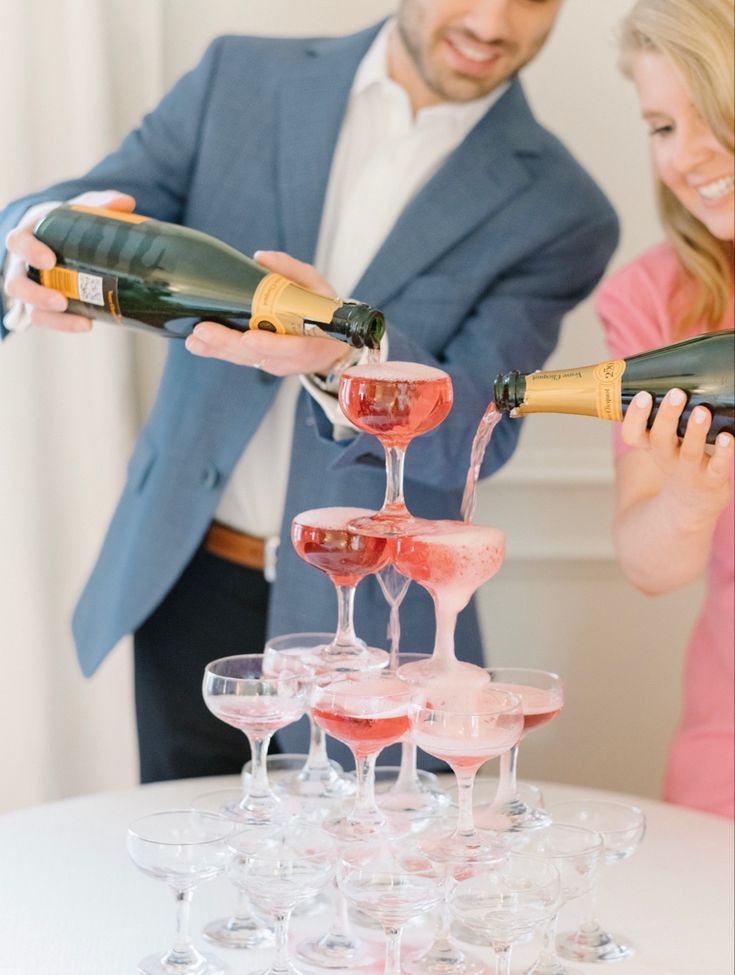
{"type": "Point", "coordinates": [71, 903]}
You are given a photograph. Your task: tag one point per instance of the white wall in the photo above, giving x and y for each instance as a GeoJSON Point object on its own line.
{"type": "Point", "coordinates": [560, 601]}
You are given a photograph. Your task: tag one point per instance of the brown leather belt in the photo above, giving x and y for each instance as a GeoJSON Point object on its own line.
{"type": "Point", "coordinates": [226, 543]}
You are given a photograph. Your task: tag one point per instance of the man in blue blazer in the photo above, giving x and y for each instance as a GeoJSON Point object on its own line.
{"type": "Point", "coordinates": [499, 234]}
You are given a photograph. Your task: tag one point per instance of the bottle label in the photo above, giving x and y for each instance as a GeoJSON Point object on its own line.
{"type": "Point", "coordinates": [588, 391]}
{"type": "Point", "coordinates": [111, 214]}
{"type": "Point", "coordinates": [97, 290]}
{"type": "Point", "coordinates": [281, 306]}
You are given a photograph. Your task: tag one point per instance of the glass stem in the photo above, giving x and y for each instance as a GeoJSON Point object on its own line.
{"type": "Point", "coordinates": [258, 774]}
{"type": "Point", "coordinates": [465, 785]}
{"type": "Point", "coordinates": [394, 460]}
{"type": "Point", "coordinates": [345, 636]}
{"type": "Point", "coordinates": [317, 759]}
{"type": "Point", "coordinates": [591, 926]}
{"type": "Point", "coordinates": [182, 952]}
{"type": "Point", "coordinates": [502, 958]}
{"type": "Point", "coordinates": [393, 951]}
{"type": "Point", "coordinates": [281, 964]}
{"type": "Point", "coordinates": [365, 804]}
{"type": "Point", "coordinates": [508, 779]}
{"type": "Point", "coordinates": [548, 957]}
{"type": "Point", "coordinates": [407, 774]}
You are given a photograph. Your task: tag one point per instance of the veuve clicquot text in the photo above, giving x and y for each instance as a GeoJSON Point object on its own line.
{"type": "Point", "coordinates": [703, 367]}
{"type": "Point", "coordinates": [131, 269]}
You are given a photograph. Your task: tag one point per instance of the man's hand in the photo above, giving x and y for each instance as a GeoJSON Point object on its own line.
{"type": "Point", "coordinates": [280, 355]}
{"type": "Point", "coordinates": [47, 308]}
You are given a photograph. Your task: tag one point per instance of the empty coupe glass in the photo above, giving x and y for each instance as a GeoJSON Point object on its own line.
{"type": "Point", "coordinates": [622, 828]}
{"type": "Point", "coordinates": [278, 870]}
{"type": "Point", "coordinates": [508, 902]}
{"type": "Point", "coordinates": [183, 847]}
{"type": "Point", "coordinates": [240, 692]}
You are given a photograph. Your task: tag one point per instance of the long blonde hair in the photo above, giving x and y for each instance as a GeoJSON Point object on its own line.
{"type": "Point", "coordinates": [697, 37]}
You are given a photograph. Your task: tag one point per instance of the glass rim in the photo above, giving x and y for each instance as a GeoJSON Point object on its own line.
{"type": "Point", "coordinates": [527, 670]}
{"type": "Point", "coordinates": [619, 806]}
{"type": "Point", "coordinates": [515, 704]}
{"type": "Point", "coordinates": [403, 689]}
{"type": "Point", "coordinates": [595, 845]}
{"type": "Point", "coordinates": [262, 678]}
{"type": "Point", "coordinates": [264, 834]}
{"type": "Point", "coordinates": [134, 829]}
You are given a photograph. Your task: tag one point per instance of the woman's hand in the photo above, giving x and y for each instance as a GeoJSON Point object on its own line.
{"type": "Point", "coordinates": [695, 477]}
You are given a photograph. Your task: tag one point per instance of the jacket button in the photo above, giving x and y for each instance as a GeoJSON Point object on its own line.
{"type": "Point", "coordinates": [209, 476]}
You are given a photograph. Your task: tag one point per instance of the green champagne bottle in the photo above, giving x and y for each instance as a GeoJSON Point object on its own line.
{"type": "Point", "coordinates": [703, 367]}
{"type": "Point", "coordinates": [133, 270]}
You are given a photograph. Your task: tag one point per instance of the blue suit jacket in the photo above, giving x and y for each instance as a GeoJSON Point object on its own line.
{"type": "Point", "coordinates": [475, 276]}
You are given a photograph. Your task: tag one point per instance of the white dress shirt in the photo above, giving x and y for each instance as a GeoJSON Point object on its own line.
{"type": "Point", "coordinates": [384, 156]}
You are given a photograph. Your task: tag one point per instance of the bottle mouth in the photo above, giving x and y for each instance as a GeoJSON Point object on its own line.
{"type": "Point", "coordinates": [509, 390]}
{"type": "Point", "coordinates": [367, 324]}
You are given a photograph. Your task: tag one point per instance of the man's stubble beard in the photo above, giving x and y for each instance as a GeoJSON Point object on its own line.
{"type": "Point", "coordinates": [454, 88]}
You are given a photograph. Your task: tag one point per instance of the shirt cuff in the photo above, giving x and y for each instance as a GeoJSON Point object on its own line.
{"type": "Point", "coordinates": [324, 391]}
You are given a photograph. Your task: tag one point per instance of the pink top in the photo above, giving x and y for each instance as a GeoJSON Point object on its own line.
{"type": "Point", "coordinates": [638, 307]}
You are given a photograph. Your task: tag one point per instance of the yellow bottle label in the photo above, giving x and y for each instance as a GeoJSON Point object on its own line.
{"type": "Point", "coordinates": [112, 214]}
{"type": "Point", "coordinates": [281, 306]}
{"type": "Point", "coordinates": [98, 291]}
{"type": "Point", "coordinates": [63, 280]}
{"type": "Point", "coordinates": [588, 391]}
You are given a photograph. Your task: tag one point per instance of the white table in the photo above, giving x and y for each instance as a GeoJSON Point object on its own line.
{"type": "Point", "coordinates": [71, 903]}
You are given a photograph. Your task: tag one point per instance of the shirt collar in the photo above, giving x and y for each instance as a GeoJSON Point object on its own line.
{"type": "Point", "coordinates": [372, 72]}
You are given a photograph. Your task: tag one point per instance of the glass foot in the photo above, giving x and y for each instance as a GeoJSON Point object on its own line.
{"type": "Point", "coordinates": [199, 964]}
{"type": "Point", "coordinates": [551, 968]}
{"type": "Point", "coordinates": [443, 958]}
{"type": "Point", "coordinates": [337, 951]}
{"type": "Point", "coordinates": [590, 943]}
{"type": "Point", "coordinates": [512, 816]}
{"type": "Point", "coordinates": [238, 932]}
{"type": "Point", "coordinates": [419, 799]}
{"type": "Point", "coordinates": [455, 848]}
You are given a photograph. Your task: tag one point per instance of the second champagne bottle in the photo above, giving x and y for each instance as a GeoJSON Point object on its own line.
{"type": "Point", "coordinates": [703, 367]}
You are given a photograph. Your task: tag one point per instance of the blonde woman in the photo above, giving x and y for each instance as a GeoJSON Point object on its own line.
{"type": "Point", "coordinates": [674, 509]}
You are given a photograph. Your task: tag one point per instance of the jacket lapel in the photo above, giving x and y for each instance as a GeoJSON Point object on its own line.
{"type": "Point", "coordinates": [480, 176]}
{"type": "Point", "coordinates": [307, 137]}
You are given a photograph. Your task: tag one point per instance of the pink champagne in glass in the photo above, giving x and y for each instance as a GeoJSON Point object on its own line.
{"type": "Point", "coordinates": [464, 725]}
{"type": "Point", "coordinates": [542, 698]}
{"type": "Point", "coordinates": [451, 560]}
{"type": "Point", "coordinates": [395, 402]}
{"type": "Point", "coordinates": [323, 538]}
{"type": "Point", "coordinates": [368, 713]}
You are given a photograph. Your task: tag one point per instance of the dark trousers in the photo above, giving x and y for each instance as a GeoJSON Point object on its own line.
{"type": "Point", "coordinates": [216, 609]}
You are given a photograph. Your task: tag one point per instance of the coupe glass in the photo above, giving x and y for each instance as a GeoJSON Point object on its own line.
{"type": "Point", "coordinates": [322, 537]}
{"type": "Point", "coordinates": [183, 847]}
{"type": "Point", "coordinates": [319, 777]}
{"type": "Point", "coordinates": [464, 726]}
{"type": "Point", "coordinates": [389, 893]}
{"type": "Point", "coordinates": [451, 560]}
{"type": "Point", "coordinates": [367, 713]}
{"type": "Point", "coordinates": [239, 692]}
{"type": "Point", "coordinates": [394, 401]}
{"type": "Point", "coordinates": [542, 698]}
{"type": "Point", "coordinates": [411, 793]}
{"type": "Point", "coordinates": [577, 854]}
{"type": "Point", "coordinates": [622, 828]}
{"type": "Point", "coordinates": [508, 902]}
{"type": "Point", "coordinates": [278, 870]}
{"type": "Point", "coordinates": [444, 956]}
{"type": "Point", "coordinates": [242, 929]}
